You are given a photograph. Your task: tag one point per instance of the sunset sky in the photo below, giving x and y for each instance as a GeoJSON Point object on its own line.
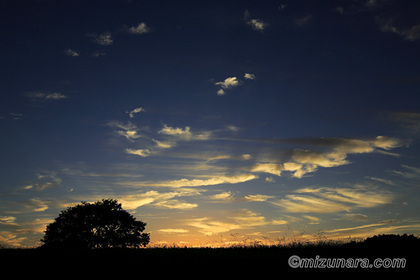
{"type": "Point", "coordinates": [215, 122]}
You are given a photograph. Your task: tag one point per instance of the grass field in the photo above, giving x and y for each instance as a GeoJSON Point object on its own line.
{"type": "Point", "coordinates": [257, 260]}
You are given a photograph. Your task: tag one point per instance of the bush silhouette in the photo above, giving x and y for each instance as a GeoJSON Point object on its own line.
{"type": "Point", "coordinates": [391, 241]}
{"type": "Point", "coordinates": [103, 224]}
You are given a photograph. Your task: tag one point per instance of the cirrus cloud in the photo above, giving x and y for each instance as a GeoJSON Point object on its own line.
{"type": "Point", "coordinates": [233, 179]}
{"type": "Point", "coordinates": [329, 200]}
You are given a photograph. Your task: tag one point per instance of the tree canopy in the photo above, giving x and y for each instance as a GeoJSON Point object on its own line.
{"type": "Point", "coordinates": [103, 224]}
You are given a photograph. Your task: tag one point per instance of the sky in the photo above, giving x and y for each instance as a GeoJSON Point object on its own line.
{"type": "Point", "coordinates": [215, 122]}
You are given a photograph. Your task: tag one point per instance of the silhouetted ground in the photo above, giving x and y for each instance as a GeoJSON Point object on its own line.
{"type": "Point", "coordinates": [255, 261]}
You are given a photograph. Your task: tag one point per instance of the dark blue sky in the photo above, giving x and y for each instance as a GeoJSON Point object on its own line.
{"type": "Point", "coordinates": [206, 118]}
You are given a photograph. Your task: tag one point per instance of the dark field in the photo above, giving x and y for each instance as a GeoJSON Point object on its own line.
{"type": "Point", "coordinates": [245, 261]}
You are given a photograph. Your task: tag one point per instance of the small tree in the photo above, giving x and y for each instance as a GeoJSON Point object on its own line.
{"type": "Point", "coordinates": [103, 224]}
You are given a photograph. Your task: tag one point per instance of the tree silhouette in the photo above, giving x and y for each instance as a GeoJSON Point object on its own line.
{"type": "Point", "coordinates": [103, 224]}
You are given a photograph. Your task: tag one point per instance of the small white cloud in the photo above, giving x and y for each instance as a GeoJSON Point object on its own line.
{"type": "Point", "coordinates": [184, 134]}
{"type": "Point", "coordinates": [141, 28]}
{"type": "Point", "coordinates": [232, 128]}
{"type": "Point", "coordinates": [255, 23]}
{"type": "Point", "coordinates": [176, 131]}
{"type": "Point", "coordinates": [104, 39]}
{"type": "Point", "coordinates": [135, 111]}
{"type": "Point", "coordinates": [222, 196]}
{"type": "Point", "coordinates": [282, 7]}
{"type": "Point", "coordinates": [246, 156]}
{"type": "Point", "coordinates": [229, 83]}
{"type": "Point", "coordinates": [249, 76]}
{"type": "Point", "coordinates": [270, 180]}
{"type": "Point", "coordinates": [71, 52]}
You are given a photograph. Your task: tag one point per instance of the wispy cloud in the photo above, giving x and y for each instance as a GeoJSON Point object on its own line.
{"type": "Point", "coordinates": [333, 153]}
{"type": "Point", "coordinates": [225, 196]}
{"type": "Point", "coordinates": [230, 197]}
{"type": "Point", "coordinates": [38, 95]}
{"type": "Point", "coordinates": [240, 219]}
{"type": "Point", "coordinates": [209, 226]}
{"type": "Point", "coordinates": [32, 205]}
{"type": "Point", "coordinates": [159, 199]}
{"type": "Point", "coordinates": [104, 39]}
{"type": "Point", "coordinates": [408, 120]}
{"type": "Point", "coordinates": [98, 53]}
{"type": "Point", "coordinates": [11, 239]}
{"type": "Point", "coordinates": [175, 204]}
{"type": "Point", "coordinates": [139, 152]}
{"type": "Point", "coordinates": [282, 7]}
{"type": "Point", "coordinates": [309, 155]}
{"type": "Point", "coordinates": [257, 197]}
{"type": "Point", "coordinates": [381, 180]}
{"type": "Point", "coordinates": [232, 179]}
{"type": "Point", "coordinates": [16, 116]}
{"type": "Point", "coordinates": [329, 200]}
{"type": "Point", "coordinates": [153, 143]}
{"type": "Point", "coordinates": [8, 220]}
{"type": "Point", "coordinates": [173, 230]}
{"type": "Point", "coordinates": [71, 52]}
{"type": "Point", "coordinates": [410, 172]}
{"type": "Point", "coordinates": [390, 17]}
{"type": "Point", "coordinates": [302, 21]}
{"type": "Point", "coordinates": [44, 181]}
{"type": "Point", "coordinates": [163, 145]}
{"type": "Point", "coordinates": [128, 130]}
{"type": "Point", "coordinates": [135, 111]}
{"type": "Point", "coordinates": [411, 33]}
